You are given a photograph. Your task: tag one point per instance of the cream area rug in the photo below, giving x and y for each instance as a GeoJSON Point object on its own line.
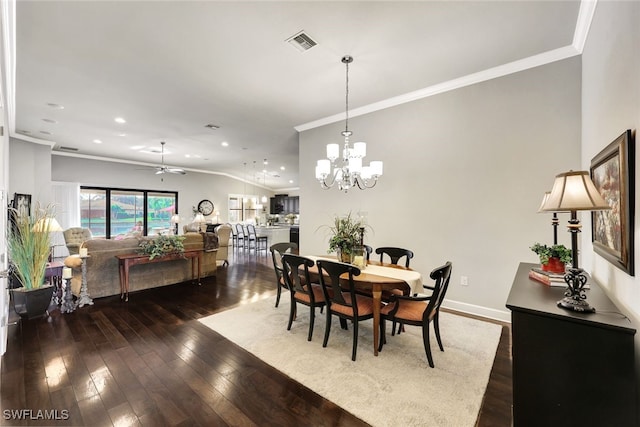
{"type": "Point", "coordinates": [397, 388]}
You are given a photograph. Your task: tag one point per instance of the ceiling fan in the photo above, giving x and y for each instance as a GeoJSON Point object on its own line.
{"type": "Point", "coordinates": [166, 169]}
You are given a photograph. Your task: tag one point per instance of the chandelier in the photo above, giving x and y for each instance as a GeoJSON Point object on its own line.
{"type": "Point", "coordinates": [347, 172]}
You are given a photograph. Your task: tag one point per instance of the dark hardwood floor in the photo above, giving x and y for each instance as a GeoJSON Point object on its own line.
{"type": "Point", "coordinates": [148, 362]}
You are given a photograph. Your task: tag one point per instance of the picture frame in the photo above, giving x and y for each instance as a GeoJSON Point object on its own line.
{"type": "Point", "coordinates": [613, 173]}
{"type": "Point", "coordinates": [22, 204]}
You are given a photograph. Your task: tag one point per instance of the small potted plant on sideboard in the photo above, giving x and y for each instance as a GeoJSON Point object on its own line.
{"type": "Point", "coordinates": [552, 258]}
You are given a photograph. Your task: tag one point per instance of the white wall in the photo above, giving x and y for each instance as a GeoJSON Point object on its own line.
{"type": "Point", "coordinates": [464, 175]}
{"type": "Point", "coordinates": [611, 105]}
{"type": "Point", "coordinates": [30, 171]}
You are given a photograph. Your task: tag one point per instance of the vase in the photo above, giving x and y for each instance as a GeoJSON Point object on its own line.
{"type": "Point", "coordinates": [554, 265]}
{"type": "Point", "coordinates": [32, 303]}
{"type": "Point", "coordinates": [344, 256]}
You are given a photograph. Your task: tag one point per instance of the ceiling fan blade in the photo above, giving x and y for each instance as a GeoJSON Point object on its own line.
{"type": "Point", "coordinates": [160, 171]}
{"type": "Point", "coordinates": [176, 170]}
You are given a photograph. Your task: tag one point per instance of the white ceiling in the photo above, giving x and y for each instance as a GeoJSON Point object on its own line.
{"type": "Point", "coordinates": [171, 67]}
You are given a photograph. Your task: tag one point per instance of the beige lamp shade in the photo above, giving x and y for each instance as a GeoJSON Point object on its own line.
{"type": "Point", "coordinates": [574, 191]}
{"type": "Point", "coordinates": [47, 224]}
{"type": "Point", "coordinates": [175, 219]}
{"type": "Point", "coordinates": [544, 200]}
{"type": "Point", "coordinates": [199, 218]}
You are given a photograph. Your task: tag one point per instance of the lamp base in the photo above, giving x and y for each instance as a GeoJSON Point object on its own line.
{"type": "Point", "coordinates": [574, 297]}
{"type": "Point", "coordinates": [568, 303]}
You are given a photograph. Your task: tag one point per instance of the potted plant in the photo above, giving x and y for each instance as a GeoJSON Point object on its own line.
{"type": "Point", "coordinates": [553, 258]}
{"type": "Point", "coordinates": [29, 246]}
{"type": "Point", "coordinates": [162, 245]}
{"type": "Point", "coordinates": [346, 233]}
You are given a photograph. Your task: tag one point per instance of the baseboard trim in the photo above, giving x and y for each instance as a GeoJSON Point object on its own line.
{"type": "Point", "coordinates": [489, 313]}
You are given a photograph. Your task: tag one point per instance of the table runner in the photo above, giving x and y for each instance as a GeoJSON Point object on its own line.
{"type": "Point", "coordinates": [412, 277]}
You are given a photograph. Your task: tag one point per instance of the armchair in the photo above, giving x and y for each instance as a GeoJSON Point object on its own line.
{"type": "Point", "coordinates": [74, 237]}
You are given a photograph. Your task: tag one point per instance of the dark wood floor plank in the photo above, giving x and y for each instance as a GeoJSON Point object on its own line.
{"type": "Point", "coordinates": [149, 362]}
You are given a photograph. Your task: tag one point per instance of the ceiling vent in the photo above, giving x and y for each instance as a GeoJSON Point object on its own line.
{"type": "Point", "coordinates": [301, 41]}
{"type": "Point", "coordinates": [63, 148]}
{"type": "Point", "coordinates": [212, 126]}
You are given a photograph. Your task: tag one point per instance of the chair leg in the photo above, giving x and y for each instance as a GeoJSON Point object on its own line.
{"type": "Point", "coordinates": [279, 290]}
{"type": "Point", "coordinates": [312, 318]}
{"type": "Point", "coordinates": [327, 328]}
{"type": "Point", "coordinates": [436, 326]}
{"type": "Point", "coordinates": [355, 340]}
{"type": "Point", "coordinates": [427, 345]}
{"type": "Point", "coordinates": [343, 324]}
{"type": "Point", "coordinates": [382, 334]}
{"type": "Point", "coordinates": [292, 314]}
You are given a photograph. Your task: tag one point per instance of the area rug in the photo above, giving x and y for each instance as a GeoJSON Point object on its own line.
{"type": "Point", "coordinates": [396, 388]}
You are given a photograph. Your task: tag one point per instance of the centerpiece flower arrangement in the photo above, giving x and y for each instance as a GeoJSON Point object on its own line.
{"type": "Point", "coordinates": [290, 218]}
{"type": "Point", "coordinates": [346, 233]}
{"type": "Point", "coordinates": [162, 245]}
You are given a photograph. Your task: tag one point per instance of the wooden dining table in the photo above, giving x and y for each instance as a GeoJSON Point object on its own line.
{"type": "Point", "coordinates": [384, 279]}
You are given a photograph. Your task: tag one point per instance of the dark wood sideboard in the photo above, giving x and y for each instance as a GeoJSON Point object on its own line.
{"type": "Point", "coordinates": [569, 369]}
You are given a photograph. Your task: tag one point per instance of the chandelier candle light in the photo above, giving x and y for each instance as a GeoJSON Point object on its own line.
{"type": "Point", "coordinates": [347, 172]}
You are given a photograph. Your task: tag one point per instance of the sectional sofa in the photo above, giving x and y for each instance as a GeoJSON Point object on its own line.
{"type": "Point", "coordinates": [103, 276]}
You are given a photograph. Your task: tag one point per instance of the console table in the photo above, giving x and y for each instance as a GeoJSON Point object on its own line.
{"type": "Point", "coordinates": [127, 260]}
{"type": "Point", "coordinates": [569, 368]}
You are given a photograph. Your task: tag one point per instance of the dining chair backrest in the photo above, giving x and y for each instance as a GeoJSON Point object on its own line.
{"type": "Point", "coordinates": [368, 250]}
{"type": "Point", "coordinates": [296, 273]}
{"type": "Point", "coordinates": [329, 273]}
{"type": "Point", "coordinates": [441, 276]}
{"type": "Point", "coordinates": [279, 249]}
{"type": "Point", "coordinates": [395, 254]}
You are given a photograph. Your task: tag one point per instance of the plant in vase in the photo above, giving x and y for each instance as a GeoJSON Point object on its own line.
{"type": "Point", "coordinates": [552, 258]}
{"type": "Point", "coordinates": [346, 233]}
{"type": "Point", "coordinates": [29, 246]}
{"type": "Point", "coordinates": [162, 245]}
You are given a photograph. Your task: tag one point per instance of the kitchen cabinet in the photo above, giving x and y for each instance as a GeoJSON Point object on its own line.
{"type": "Point", "coordinates": [282, 204]}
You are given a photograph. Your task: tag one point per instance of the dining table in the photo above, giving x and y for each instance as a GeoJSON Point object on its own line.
{"type": "Point", "coordinates": [377, 277]}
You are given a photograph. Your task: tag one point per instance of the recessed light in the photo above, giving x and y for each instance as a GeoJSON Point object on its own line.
{"type": "Point", "coordinates": [49, 120]}
{"type": "Point", "coordinates": [290, 181]}
{"type": "Point", "coordinates": [122, 134]}
{"type": "Point", "coordinates": [23, 131]}
{"type": "Point", "coordinates": [282, 168]}
{"type": "Point", "coordinates": [120, 120]}
{"type": "Point", "coordinates": [187, 155]}
{"type": "Point", "coordinates": [224, 144]}
{"type": "Point", "coordinates": [56, 106]}
{"type": "Point", "coordinates": [97, 141]}
{"type": "Point", "coordinates": [137, 147]}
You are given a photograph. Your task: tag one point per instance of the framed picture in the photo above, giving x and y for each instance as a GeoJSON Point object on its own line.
{"type": "Point", "coordinates": [22, 204]}
{"type": "Point", "coordinates": [613, 173]}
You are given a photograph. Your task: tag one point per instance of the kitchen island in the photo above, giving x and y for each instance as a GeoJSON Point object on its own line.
{"type": "Point", "coordinates": [274, 233]}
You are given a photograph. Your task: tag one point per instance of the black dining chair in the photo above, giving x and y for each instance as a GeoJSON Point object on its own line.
{"type": "Point", "coordinates": [419, 311]}
{"type": "Point", "coordinates": [342, 300]}
{"type": "Point", "coordinates": [296, 276]}
{"type": "Point", "coordinates": [395, 254]}
{"type": "Point", "coordinates": [368, 250]}
{"type": "Point", "coordinates": [277, 250]}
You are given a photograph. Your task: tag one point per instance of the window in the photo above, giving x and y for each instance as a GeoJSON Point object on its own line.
{"type": "Point", "coordinates": [131, 212]}
{"type": "Point", "coordinates": [243, 208]}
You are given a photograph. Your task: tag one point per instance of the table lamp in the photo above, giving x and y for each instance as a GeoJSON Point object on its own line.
{"type": "Point", "coordinates": [199, 218]}
{"type": "Point", "coordinates": [554, 219]}
{"type": "Point", "coordinates": [574, 191]}
{"type": "Point", "coordinates": [175, 219]}
{"type": "Point", "coordinates": [48, 225]}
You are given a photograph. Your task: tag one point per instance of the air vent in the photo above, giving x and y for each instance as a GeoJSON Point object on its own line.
{"type": "Point", "coordinates": [301, 41]}
{"type": "Point", "coordinates": [212, 126]}
{"type": "Point", "coordinates": [63, 148]}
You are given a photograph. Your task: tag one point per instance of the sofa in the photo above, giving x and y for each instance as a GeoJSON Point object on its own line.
{"type": "Point", "coordinates": [103, 276]}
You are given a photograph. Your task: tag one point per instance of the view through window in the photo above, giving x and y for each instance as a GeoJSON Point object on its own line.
{"type": "Point", "coordinates": [130, 212]}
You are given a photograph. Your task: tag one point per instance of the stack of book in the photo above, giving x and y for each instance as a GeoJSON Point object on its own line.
{"type": "Point", "coordinates": [549, 279]}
